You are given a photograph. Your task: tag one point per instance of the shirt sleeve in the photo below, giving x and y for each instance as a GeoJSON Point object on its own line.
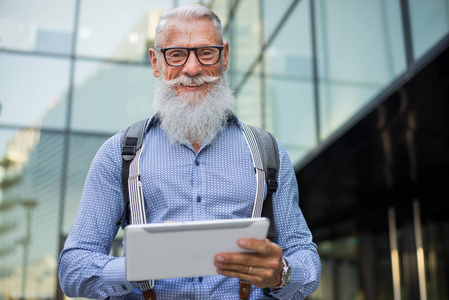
{"type": "Point", "coordinates": [85, 267]}
{"type": "Point", "coordinates": [293, 235]}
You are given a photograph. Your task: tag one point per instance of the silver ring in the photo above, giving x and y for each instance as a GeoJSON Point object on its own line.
{"type": "Point", "coordinates": [249, 272]}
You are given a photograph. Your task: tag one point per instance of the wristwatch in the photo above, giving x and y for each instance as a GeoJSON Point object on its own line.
{"type": "Point", "coordinates": [285, 275]}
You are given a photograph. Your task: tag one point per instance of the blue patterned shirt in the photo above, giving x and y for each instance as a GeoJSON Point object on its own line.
{"type": "Point", "coordinates": [181, 185]}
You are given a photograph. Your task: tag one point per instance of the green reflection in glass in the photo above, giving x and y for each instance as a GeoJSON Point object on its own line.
{"type": "Point", "coordinates": [33, 90]}
{"type": "Point", "coordinates": [81, 153]}
{"type": "Point", "coordinates": [30, 184]}
{"type": "Point", "coordinates": [246, 43]}
{"type": "Point", "coordinates": [109, 97]}
{"type": "Point", "coordinates": [359, 50]}
{"type": "Point", "coordinates": [430, 22]}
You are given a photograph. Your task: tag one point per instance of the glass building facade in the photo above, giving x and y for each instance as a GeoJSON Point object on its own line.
{"type": "Point", "coordinates": [74, 72]}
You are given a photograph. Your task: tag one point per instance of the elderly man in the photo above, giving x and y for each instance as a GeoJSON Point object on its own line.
{"type": "Point", "coordinates": [195, 165]}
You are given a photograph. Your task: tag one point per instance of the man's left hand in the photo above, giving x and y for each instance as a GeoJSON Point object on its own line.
{"type": "Point", "coordinates": [262, 269]}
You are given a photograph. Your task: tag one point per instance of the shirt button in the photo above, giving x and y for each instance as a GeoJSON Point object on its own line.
{"type": "Point", "coordinates": [198, 199]}
{"type": "Point", "coordinates": [197, 162]}
{"type": "Point", "coordinates": [200, 279]}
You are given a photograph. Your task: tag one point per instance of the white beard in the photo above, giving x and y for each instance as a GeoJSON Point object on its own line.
{"type": "Point", "coordinates": [193, 116]}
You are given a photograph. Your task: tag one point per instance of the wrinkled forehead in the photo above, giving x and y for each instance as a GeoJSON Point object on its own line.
{"type": "Point", "coordinates": [183, 32]}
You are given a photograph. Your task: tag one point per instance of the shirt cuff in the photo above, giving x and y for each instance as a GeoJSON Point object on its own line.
{"type": "Point", "coordinates": [114, 278]}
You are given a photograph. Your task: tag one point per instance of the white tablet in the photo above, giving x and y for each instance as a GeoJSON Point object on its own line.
{"type": "Point", "coordinates": [171, 250]}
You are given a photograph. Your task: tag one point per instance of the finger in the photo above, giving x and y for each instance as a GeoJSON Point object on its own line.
{"type": "Point", "coordinates": [243, 269]}
{"type": "Point", "coordinates": [230, 273]}
{"type": "Point", "coordinates": [252, 278]}
{"type": "Point", "coordinates": [266, 272]}
{"type": "Point", "coordinates": [249, 259]}
{"type": "Point", "coordinates": [242, 259]}
{"type": "Point", "coordinates": [260, 272]}
{"type": "Point", "coordinates": [264, 247]}
{"type": "Point", "coordinates": [241, 275]}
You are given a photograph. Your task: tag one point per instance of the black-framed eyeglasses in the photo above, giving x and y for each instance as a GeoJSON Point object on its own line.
{"type": "Point", "coordinates": [178, 56]}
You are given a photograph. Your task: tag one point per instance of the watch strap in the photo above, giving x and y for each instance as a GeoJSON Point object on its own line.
{"type": "Point", "coordinates": [285, 275]}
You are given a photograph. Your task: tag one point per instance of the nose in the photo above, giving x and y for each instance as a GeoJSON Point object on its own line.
{"type": "Point", "coordinates": [192, 67]}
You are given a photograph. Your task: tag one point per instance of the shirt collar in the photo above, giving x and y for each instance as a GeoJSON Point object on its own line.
{"type": "Point", "coordinates": [152, 121]}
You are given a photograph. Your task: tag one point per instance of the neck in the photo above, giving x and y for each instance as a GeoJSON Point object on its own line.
{"type": "Point", "coordinates": [196, 147]}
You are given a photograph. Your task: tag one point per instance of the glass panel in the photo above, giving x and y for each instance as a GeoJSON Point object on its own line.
{"type": "Point", "coordinates": [354, 65]}
{"type": "Point", "coordinates": [81, 153]}
{"type": "Point", "coordinates": [221, 8]}
{"type": "Point", "coordinates": [109, 97]}
{"type": "Point", "coordinates": [290, 99]}
{"type": "Point", "coordinates": [407, 258]}
{"type": "Point", "coordinates": [117, 29]}
{"type": "Point", "coordinates": [42, 26]}
{"type": "Point", "coordinates": [430, 22]}
{"type": "Point", "coordinates": [292, 117]}
{"type": "Point", "coordinates": [340, 272]}
{"type": "Point", "coordinates": [249, 103]}
{"type": "Point", "coordinates": [186, 2]}
{"type": "Point", "coordinates": [356, 265]}
{"type": "Point", "coordinates": [290, 53]}
{"type": "Point", "coordinates": [33, 90]}
{"type": "Point", "coordinates": [340, 101]}
{"type": "Point", "coordinates": [435, 232]}
{"type": "Point", "coordinates": [30, 183]}
{"type": "Point", "coordinates": [273, 12]}
{"type": "Point", "coordinates": [245, 43]}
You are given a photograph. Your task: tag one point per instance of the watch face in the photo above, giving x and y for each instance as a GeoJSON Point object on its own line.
{"type": "Point", "coordinates": [285, 275]}
{"type": "Point", "coordinates": [288, 275]}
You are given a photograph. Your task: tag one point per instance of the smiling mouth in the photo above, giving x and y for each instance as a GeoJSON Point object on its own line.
{"type": "Point", "coordinates": [191, 84]}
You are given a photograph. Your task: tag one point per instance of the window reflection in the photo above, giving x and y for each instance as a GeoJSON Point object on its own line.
{"type": "Point", "coordinates": [289, 81]}
{"type": "Point", "coordinates": [33, 90]}
{"type": "Point", "coordinates": [29, 206]}
{"type": "Point", "coordinates": [283, 111]}
{"type": "Point", "coordinates": [274, 12]}
{"type": "Point", "coordinates": [109, 97]}
{"type": "Point", "coordinates": [250, 100]}
{"type": "Point", "coordinates": [41, 26]}
{"type": "Point", "coordinates": [117, 30]}
{"type": "Point", "coordinates": [435, 229]}
{"type": "Point", "coordinates": [356, 263]}
{"type": "Point", "coordinates": [246, 41]}
{"type": "Point", "coordinates": [290, 52]}
{"type": "Point", "coordinates": [81, 153]}
{"type": "Point", "coordinates": [430, 22]}
{"type": "Point", "coordinates": [359, 52]}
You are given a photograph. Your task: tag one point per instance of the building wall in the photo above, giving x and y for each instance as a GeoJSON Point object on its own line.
{"type": "Point", "coordinates": [74, 72]}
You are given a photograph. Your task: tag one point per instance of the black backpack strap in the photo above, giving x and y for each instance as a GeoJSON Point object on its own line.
{"type": "Point", "coordinates": [270, 160]}
{"type": "Point", "coordinates": [132, 140]}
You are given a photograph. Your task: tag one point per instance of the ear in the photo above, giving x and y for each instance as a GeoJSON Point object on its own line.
{"type": "Point", "coordinates": [225, 56]}
{"type": "Point", "coordinates": [153, 59]}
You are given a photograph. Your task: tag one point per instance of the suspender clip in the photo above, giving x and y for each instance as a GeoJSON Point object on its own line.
{"type": "Point", "coordinates": [272, 185]}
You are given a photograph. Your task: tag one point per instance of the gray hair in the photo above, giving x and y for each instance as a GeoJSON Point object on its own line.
{"type": "Point", "coordinates": [189, 12]}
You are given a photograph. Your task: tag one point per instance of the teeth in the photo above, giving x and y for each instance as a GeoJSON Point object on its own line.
{"type": "Point", "coordinates": [191, 84]}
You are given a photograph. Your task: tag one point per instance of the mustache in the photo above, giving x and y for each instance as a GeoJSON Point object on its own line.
{"type": "Point", "coordinates": [187, 80]}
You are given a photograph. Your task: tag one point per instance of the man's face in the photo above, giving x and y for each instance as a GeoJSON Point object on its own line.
{"type": "Point", "coordinates": [193, 33]}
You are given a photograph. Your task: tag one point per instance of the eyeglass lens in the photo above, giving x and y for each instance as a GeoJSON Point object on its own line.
{"type": "Point", "coordinates": [206, 56]}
